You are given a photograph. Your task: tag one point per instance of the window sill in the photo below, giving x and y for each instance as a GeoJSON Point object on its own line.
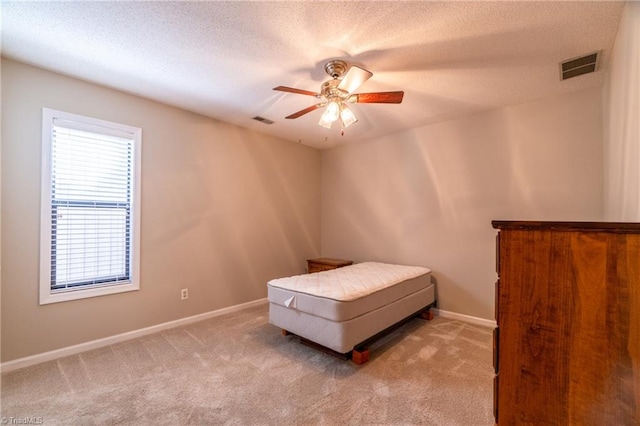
{"type": "Point", "coordinates": [46, 297]}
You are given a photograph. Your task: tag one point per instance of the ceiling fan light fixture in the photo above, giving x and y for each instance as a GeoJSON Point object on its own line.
{"type": "Point", "coordinates": [347, 116]}
{"type": "Point", "coordinates": [333, 111]}
{"type": "Point", "coordinates": [324, 122]}
{"type": "Point", "coordinates": [330, 114]}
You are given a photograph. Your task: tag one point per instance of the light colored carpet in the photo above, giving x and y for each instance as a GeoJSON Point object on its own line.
{"type": "Point", "coordinates": [238, 369]}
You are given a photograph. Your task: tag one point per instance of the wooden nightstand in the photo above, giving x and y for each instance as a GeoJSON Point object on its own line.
{"type": "Point", "coordinates": [325, 264]}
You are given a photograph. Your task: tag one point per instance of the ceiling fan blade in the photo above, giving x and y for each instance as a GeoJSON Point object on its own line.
{"type": "Point", "coordinates": [377, 98]}
{"type": "Point", "coordinates": [354, 78]}
{"type": "Point", "coordinates": [294, 90]}
{"type": "Point", "coordinates": [304, 111]}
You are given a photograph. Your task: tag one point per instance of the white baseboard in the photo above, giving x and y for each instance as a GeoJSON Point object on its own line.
{"type": "Point", "coordinates": [466, 318]}
{"type": "Point", "coordinates": [99, 343]}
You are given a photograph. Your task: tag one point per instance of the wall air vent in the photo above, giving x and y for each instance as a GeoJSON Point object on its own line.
{"type": "Point", "coordinates": [263, 120]}
{"type": "Point", "coordinates": [578, 66]}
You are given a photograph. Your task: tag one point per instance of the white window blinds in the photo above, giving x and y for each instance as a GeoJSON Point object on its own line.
{"type": "Point", "coordinates": [91, 200]}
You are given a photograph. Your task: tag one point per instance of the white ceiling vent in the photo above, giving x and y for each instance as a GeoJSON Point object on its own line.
{"type": "Point", "coordinates": [263, 120]}
{"type": "Point", "coordinates": [578, 66]}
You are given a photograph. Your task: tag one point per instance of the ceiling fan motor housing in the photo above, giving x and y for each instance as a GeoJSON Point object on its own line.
{"type": "Point", "coordinates": [330, 90]}
{"type": "Point", "coordinates": [335, 68]}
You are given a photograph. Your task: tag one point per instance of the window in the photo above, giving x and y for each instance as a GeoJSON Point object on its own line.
{"type": "Point", "coordinates": [90, 207]}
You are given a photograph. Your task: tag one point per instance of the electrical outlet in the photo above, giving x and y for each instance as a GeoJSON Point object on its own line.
{"type": "Point", "coordinates": [184, 293]}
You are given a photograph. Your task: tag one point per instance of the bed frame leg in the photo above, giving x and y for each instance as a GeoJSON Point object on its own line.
{"type": "Point", "coordinates": [426, 314]}
{"type": "Point", "coordinates": [285, 332]}
{"type": "Point", "coordinates": [360, 356]}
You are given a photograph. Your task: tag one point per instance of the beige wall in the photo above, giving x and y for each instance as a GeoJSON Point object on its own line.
{"type": "Point", "coordinates": [427, 196]}
{"type": "Point", "coordinates": [223, 211]}
{"type": "Point", "coordinates": [622, 121]}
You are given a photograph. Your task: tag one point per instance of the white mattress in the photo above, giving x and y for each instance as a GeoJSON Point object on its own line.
{"type": "Point", "coordinates": [348, 292]}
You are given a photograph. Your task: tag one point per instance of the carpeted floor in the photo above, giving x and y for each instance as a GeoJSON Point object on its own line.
{"type": "Point", "coordinates": [238, 369]}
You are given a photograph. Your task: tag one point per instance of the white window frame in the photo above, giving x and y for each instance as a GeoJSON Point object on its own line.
{"type": "Point", "coordinates": [47, 295]}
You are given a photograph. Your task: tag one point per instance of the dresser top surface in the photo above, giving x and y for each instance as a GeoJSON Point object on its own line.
{"type": "Point", "coordinates": [619, 227]}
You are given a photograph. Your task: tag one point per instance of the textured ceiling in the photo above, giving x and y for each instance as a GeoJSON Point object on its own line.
{"type": "Point", "coordinates": [222, 59]}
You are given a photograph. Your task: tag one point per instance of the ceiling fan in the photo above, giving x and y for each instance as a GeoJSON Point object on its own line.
{"type": "Point", "coordinates": [336, 93]}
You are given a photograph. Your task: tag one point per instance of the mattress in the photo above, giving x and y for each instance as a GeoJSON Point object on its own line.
{"type": "Point", "coordinates": [345, 293]}
{"type": "Point", "coordinates": [342, 308]}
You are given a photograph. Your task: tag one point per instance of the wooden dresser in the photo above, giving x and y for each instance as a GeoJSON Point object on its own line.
{"type": "Point", "coordinates": [567, 345]}
{"type": "Point", "coordinates": [325, 264]}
